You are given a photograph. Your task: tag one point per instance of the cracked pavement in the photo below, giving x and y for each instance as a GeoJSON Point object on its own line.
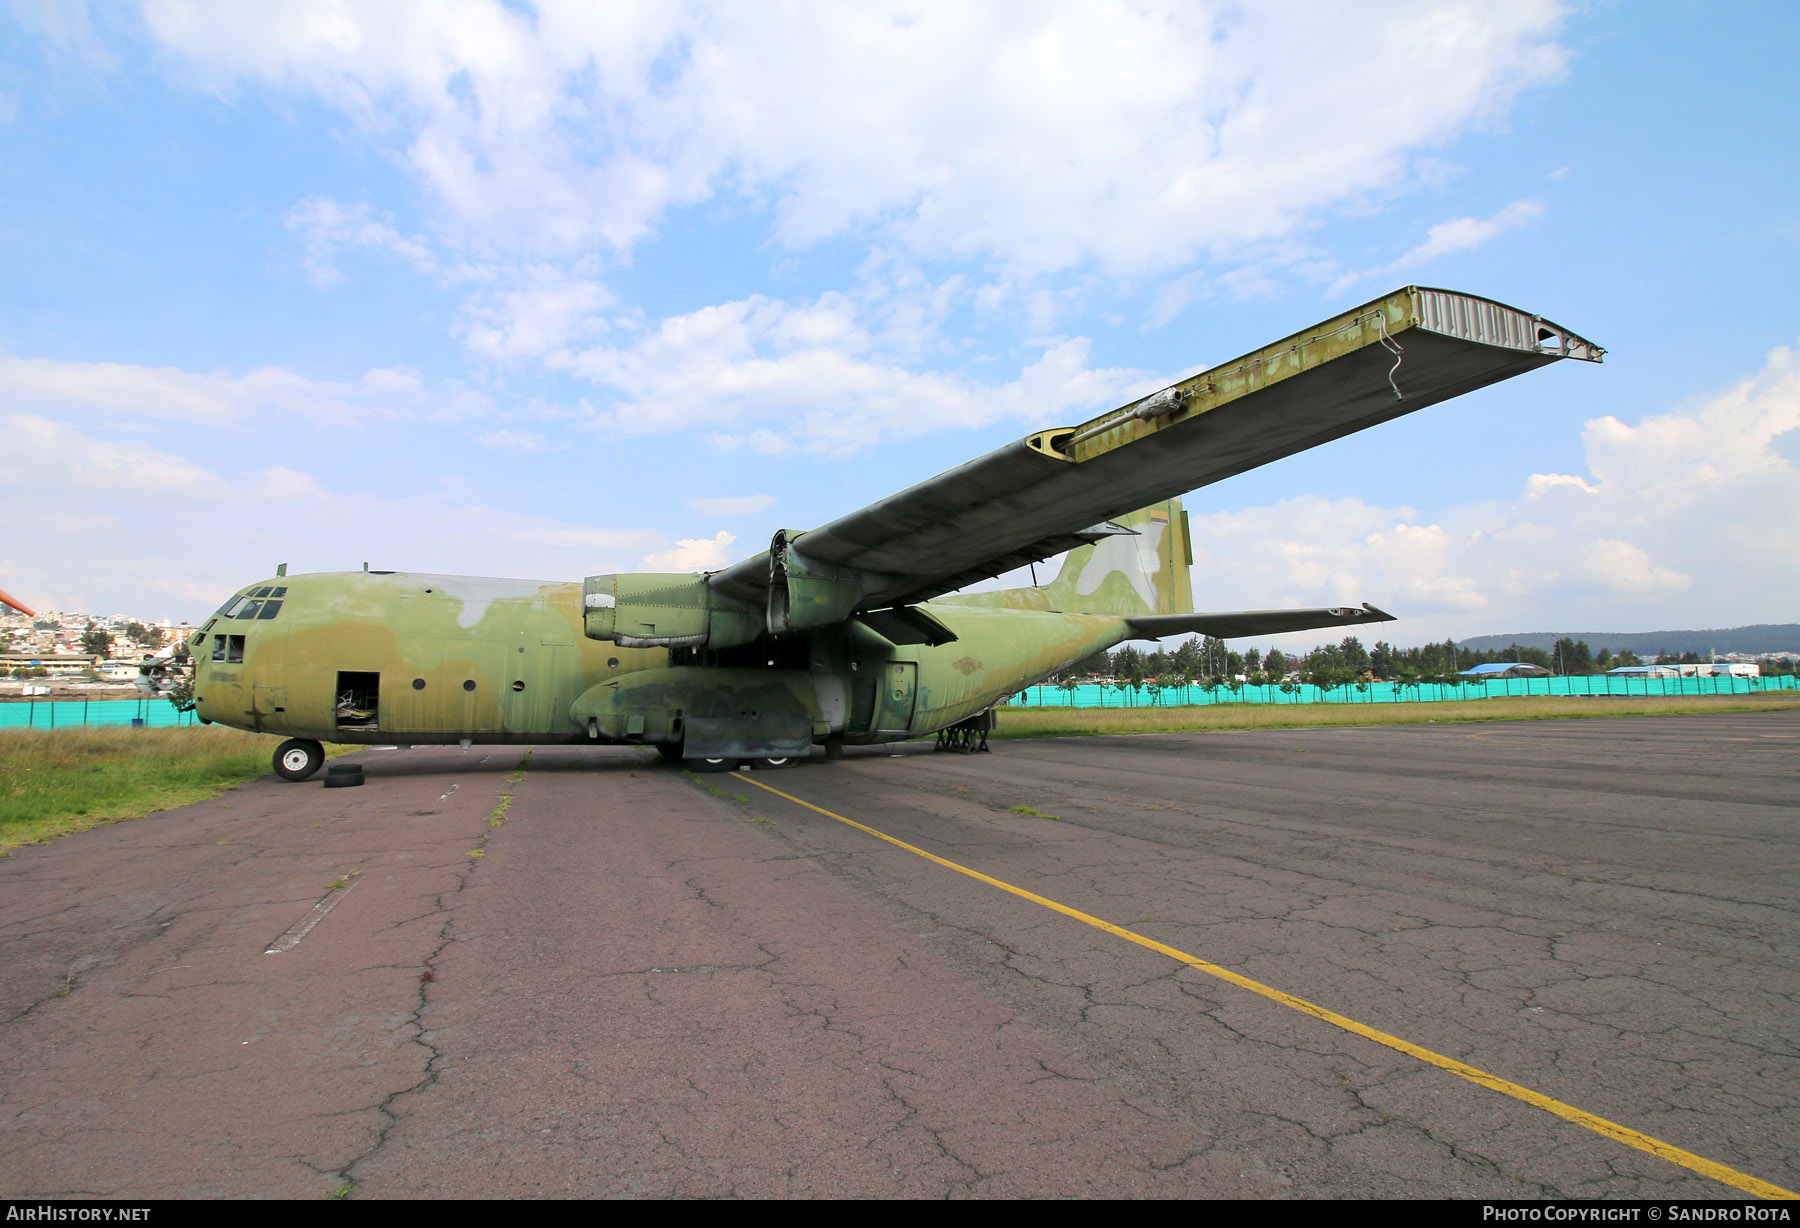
{"type": "Point", "coordinates": [1602, 911]}
{"type": "Point", "coordinates": [644, 986]}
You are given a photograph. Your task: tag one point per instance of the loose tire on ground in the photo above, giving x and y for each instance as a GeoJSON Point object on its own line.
{"type": "Point", "coordinates": [298, 758]}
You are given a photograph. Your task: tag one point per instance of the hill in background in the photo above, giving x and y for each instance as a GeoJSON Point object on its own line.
{"type": "Point", "coordinates": [1758, 638]}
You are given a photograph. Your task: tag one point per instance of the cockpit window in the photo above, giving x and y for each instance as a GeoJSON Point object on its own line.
{"type": "Point", "coordinates": [253, 604]}
{"type": "Point", "coordinates": [269, 610]}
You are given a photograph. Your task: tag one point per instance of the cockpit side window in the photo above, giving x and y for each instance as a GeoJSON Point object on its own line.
{"type": "Point", "coordinates": [262, 603]}
{"type": "Point", "coordinates": [259, 604]}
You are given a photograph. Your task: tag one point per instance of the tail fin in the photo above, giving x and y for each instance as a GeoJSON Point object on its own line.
{"type": "Point", "coordinates": [1141, 572]}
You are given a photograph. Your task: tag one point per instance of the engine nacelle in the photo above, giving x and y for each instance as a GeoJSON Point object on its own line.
{"type": "Point", "coordinates": [805, 592]}
{"type": "Point", "coordinates": [665, 610]}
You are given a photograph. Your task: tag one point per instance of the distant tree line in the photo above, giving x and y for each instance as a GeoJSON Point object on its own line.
{"type": "Point", "coordinates": [1207, 662]}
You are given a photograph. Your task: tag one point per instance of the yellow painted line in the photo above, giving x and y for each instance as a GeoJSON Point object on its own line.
{"type": "Point", "coordinates": [1568, 1112]}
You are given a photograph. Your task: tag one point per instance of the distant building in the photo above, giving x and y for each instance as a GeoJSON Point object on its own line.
{"type": "Point", "coordinates": [1643, 671]}
{"type": "Point", "coordinates": [1505, 669]}
{"type": "Point", "coordinates": [1719, 669]}
{"type": "Point", "coordinates": [56, 665]}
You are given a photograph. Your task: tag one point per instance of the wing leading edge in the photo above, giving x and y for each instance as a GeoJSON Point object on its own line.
{"type": "Point", "coordinates": [1059, 488]}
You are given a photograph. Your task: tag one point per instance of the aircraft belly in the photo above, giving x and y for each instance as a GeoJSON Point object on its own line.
{"type": "Point", "coordinates": [716, 712]}
{"type": "Point", "coordinates": [727, 738]}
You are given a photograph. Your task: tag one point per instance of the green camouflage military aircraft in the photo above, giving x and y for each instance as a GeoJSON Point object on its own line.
{"type": "Point", "coordinates": [847, 633]}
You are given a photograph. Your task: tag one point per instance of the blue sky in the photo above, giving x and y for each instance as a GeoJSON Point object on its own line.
{"type": "Point", "coordinates": [560, 289]}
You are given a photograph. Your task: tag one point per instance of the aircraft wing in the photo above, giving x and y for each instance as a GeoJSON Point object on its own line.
{"type": "Point", "coordinates": [1057, 488]}
{"type": "Point", "coordinates": [1231, 624]}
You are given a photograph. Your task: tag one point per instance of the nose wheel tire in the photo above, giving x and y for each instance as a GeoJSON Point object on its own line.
{"type": "Point", "coordinates": [298, 758]}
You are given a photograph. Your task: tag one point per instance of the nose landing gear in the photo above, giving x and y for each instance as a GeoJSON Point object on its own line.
{"type": "Point", "coordinates": [298, 758]}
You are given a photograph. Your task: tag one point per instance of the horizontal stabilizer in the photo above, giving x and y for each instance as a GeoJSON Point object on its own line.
{"type": "Point", "coordinates": [1233, 624]}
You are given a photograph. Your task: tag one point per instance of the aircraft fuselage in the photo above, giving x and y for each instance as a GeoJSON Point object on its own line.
{"type": "Point", "coordinates": [364, 657]}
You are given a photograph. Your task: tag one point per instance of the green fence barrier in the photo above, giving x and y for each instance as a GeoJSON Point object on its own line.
{"type": "Point", "coordinates": [1093, 695]}
{"type": "Point", "coordinates": [75, 713]}
{"type": "Point", "coordinates": [160, 713]}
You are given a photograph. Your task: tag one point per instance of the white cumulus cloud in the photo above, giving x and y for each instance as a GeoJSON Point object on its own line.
{"type": "Point", "coordinates": [1464, 234]}
{"type": "Point", "coordinates": [1134, 136]}
{"type": "Point", "coordinates": [159, 534]}
{"type": "Point", "coordinates": [168, 393]}
{"type": "Point", "coordinates": [828, 375]}
{"type": "Point", "coordinates": [692, 554]}
{"type": "Point", "coordinates": [1458, 234]}
{"type": "Point", "coordinates": [538, 316]}
{"type": "Point", "coordinates": [327, 227]}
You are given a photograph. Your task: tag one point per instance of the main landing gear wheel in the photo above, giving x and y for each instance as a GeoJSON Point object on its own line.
{"type": "Point", "coordinates": [786, 761]}
{"type": "Point", "coordinates": [710, 765]}
{"type": "Point", "coordinates": [298, 758]}
{"type": "Point", "coordinates": [670, 751]}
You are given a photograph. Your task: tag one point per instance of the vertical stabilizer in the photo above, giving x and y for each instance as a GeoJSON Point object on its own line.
{"type": "Point", "coordinates": [1143, 571]}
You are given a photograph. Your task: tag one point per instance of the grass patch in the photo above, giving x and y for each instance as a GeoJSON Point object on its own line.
{"type": "Point", "coordinates": [53, 782]}
{"type": "Point", "coordinates": [1078, 722]}
{"type": "Point", "coordinates": [1034, 812]}
{"type": "Point", "coordinates": [497, 815]}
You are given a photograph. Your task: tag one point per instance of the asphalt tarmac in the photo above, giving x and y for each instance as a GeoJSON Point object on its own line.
{"type": "Point", "coordinates": [583, 972]}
